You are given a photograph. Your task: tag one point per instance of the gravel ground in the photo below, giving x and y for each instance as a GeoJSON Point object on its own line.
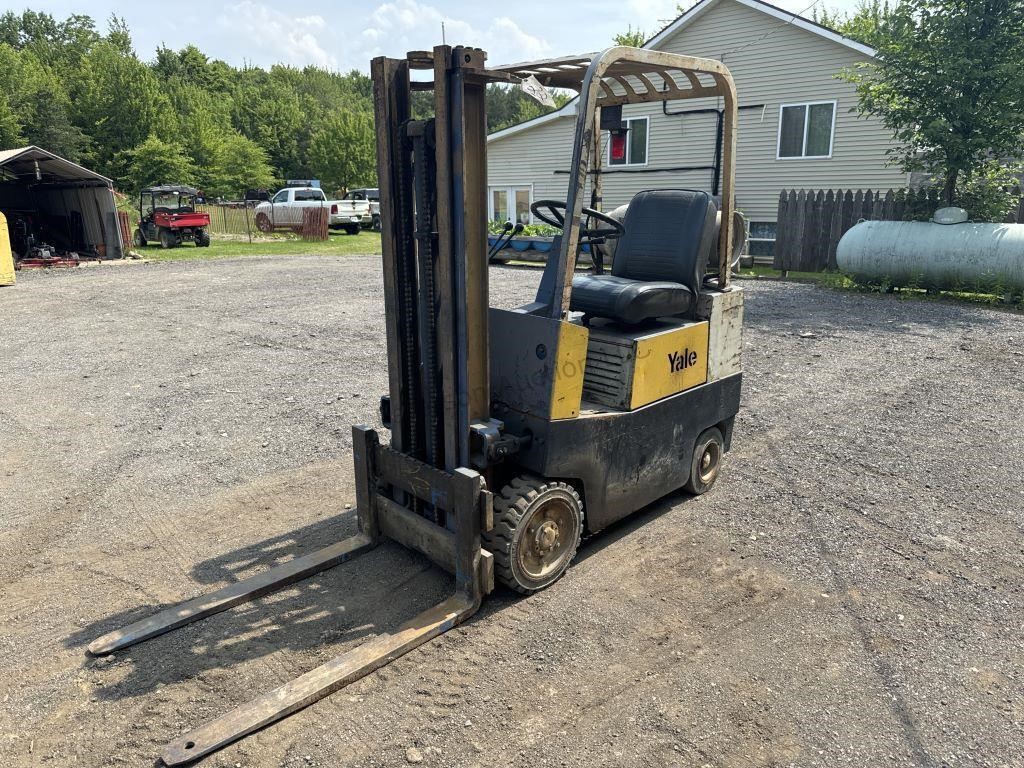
{"type": "Point", "coordinates": [848, 595]}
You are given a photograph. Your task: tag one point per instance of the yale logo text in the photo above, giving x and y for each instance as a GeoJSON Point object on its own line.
{"type": "Point", "coordinates": [680, 361]}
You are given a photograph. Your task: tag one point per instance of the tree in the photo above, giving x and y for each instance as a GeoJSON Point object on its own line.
{"type": "Point", "coordinates": [37, 99]}
{"type": "Point", "coordinates": [119, 103]}
{"type": "Point", "coordinates": [948, 81]}
{"type": "Point", "coordinates": [156, 162]}
{"type": "Point", "coordinates": [866, 23]}
{"type": "Point", "coordinates": [634, 37]}
{"type": "Point", "coordinates": [267, 110]}
{"type": "Point", "coordinates": [343, 151]}
{"type": "Point", "coordinates": [10, 128]}
{"type": "Point", "coordinates": [509, 106]}
{"type": "Point", "coordinates": [239, 164]}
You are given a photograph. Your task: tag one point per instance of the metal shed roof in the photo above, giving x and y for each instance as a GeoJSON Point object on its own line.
{"type": "Point", "coordinates": [21, 162]}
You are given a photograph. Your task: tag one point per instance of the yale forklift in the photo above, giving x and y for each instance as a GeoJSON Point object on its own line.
{"type": "Point", "coordinates": [513, 433]}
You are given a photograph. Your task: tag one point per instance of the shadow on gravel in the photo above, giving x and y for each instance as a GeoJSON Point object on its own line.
{"type": "Point", "coordinates": [322, 616]}
{"type": "Point", "coordinates": [592, 545]}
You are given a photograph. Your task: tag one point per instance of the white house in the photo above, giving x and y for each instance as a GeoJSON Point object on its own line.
{"type": "Point", "coordinates": [797, 123]}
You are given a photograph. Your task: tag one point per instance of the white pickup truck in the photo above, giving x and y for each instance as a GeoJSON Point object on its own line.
{"type": "Point", "coordinates": [372, 195]}
{"type": "Point", "coordinates": [285, 210]}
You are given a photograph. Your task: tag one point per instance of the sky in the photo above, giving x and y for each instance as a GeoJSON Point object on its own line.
{"type": "Point", "coordinates": [345, 34]}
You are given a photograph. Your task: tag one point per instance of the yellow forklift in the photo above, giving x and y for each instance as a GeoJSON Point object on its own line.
{"type": "Point", "coordinates": [513, 433]}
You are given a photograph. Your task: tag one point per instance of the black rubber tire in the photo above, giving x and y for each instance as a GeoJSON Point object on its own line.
{"type": "Point", "coordinates": [710, 440]}
{"type": "Point", "coordinates": [513, 509]}
{"type": "Point", "coordinates": [202, 239]}
{"type": "Point", "coordinates": [376, 226]}
{"type": "Point", "coordinates": [352, 229]}
{"type": "Point", "coordinates": [139, 239]}
{"type": "Point", "coordinates": [166, 239]}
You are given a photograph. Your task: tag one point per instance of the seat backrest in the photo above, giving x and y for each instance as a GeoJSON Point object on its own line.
{"type": "Point", "coordinates": [669, 233]}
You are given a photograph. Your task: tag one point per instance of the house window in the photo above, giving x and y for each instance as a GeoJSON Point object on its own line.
{"type": "Point", "coordinates": [761, 240]}
{"type": "Point", "coordinates": [510, 204]}
{"type": "Point", "coordinates": [806, 130]}
{"type": "Point", "coordinates": [636, 143]}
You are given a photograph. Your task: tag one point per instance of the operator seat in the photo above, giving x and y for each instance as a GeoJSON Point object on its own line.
{"type": "Point", "coordinates": [659, 262]}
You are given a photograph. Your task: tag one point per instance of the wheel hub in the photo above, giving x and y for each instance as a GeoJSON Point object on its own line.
{"type": "Point", "coordinates": [546, 537]}
{"type": "Point", "coordinates": [709, 462]}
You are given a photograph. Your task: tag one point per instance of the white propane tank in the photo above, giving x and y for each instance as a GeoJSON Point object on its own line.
{"type": "Point", "coordinates": [955, 256]}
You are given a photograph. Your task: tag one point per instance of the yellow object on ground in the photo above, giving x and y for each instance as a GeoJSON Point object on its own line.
{"type": "Point", "coordinates": [6, 257]}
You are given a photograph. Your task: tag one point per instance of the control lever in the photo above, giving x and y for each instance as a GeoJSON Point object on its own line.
{"type": "Point", "coordinates": [508, 232]}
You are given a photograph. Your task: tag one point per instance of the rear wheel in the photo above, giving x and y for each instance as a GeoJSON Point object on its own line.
{"type": "Point", "coordinates": [376, 223]}
{"type": "Point", "coordinates": [352, 229]}
{"type": "Point", "coordinates": [166, 239]}
{"type": "Point", "coordinates": [537, 529]}
{"type": "Point", "coordinates": [139, 239]}
{"type": "Point", "coordinates": [707, 461]}
{"type": "Point", "coordinates": [203, 239]}
{"type": "Point", "coordinates": [263, 223]}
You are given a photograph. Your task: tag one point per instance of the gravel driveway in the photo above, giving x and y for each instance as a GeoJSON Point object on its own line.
{"type": "Point", "coordinates": [848, 595]}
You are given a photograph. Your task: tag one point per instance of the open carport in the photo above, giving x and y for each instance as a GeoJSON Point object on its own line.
{"type": "Point", "coordinates": [56, 207]}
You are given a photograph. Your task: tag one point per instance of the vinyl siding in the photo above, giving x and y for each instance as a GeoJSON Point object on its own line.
{"type": "Point", "coordinates": [773, 63]}
{"type": "Point", "coordinates": [533, 157]}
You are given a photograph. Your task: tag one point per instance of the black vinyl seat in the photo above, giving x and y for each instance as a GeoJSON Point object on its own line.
{"type": "Point", "coordinates": [659, 262]}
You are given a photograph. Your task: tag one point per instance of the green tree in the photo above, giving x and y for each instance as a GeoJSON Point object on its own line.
{"type": "Point", "coordinates": [508, 106]}
{"type": "Point", "coordinates": [155, 161]}
{"type": "Point", "coordinates": [343, 151]}
{"type": "Point", "coordinates": [948, 82]}
{"type": "Point", "coordinates": [266, 109]}
{"type": "Point", "coordinates": [37, 98]}
{"type": "Point", "coordinates": [634, 37]}
{"type": "Point", "coordinates": [239, 164]}
{"type": "Point", "coordinates": [866, 24]}
{"type": "Point", "coordinates": [10, 128]}
{"type": "Point", "coordinates": [119, 104]}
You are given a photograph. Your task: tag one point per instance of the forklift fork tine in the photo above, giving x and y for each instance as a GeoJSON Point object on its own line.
{"type": "Point", "coordinates": [320, 682]}
{"type": "Point", "coordinates": [231, 595]}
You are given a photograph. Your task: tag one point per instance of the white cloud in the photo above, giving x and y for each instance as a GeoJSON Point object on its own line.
{"type": "Point", "coordinates": [293, 39]}
{"type": "Point", "coordinates": [398, 26]}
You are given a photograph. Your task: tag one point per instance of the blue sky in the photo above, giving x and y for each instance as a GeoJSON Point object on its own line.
{"type": "Point", "coordinates": [346, 34]}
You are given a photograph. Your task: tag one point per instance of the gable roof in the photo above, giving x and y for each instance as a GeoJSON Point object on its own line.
{"type": "Point", "coordinates": [789, 17]}
{"type": "Point", "coordinates": [685, 19]}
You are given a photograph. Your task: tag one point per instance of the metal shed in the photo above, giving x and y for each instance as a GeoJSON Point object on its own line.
{"type": "Point", "coordinates": [49, 200]}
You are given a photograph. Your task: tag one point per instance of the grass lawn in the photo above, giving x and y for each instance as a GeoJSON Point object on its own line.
{"type": "Point", "coordinates": [839, 281]}
{"type": "Point", "coordinates": [339, 244]}
{"type": "Point", "coordinates": [828, 279]}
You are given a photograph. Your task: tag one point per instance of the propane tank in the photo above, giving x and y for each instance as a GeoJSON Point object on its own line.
{"type": "Point", "coordinates": [947, 252]}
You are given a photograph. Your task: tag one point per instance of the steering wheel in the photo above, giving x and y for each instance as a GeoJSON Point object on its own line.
{"type": "Point", "coordinates": [588, 235]}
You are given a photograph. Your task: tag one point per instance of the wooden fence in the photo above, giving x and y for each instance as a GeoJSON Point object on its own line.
{"type": "Point", "coordinates": [810, 223]}
{"type": "Point", "coordinates": [315, 223]}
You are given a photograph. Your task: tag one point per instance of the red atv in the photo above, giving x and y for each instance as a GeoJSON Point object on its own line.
{"type": "Point", "coordinates": [168, 215]}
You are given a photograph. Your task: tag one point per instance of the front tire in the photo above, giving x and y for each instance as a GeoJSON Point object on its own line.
{"type": "Point", "coordinates": [139, 239]}
{"type": "Point", "coordinates": [263, 223]}
{"type": "Point", "coordinates": [706, 464]}
{"type": "Point", "coordinates": [166, 239]}
{"type": "Point", "coordinates": [537, 529]}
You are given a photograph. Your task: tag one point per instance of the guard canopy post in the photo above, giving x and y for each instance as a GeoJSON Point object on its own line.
{"type": "Point", "coordinates": [623, 75]}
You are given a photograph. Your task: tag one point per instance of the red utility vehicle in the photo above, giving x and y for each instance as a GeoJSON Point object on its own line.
{"type": "Point", "coordinates": [168, 215]}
